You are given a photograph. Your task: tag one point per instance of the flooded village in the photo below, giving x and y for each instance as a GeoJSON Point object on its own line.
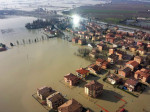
{"type": "Point", "coordinates": [118, 57]}
{"type": "Point", "coordinates": [73, 64]}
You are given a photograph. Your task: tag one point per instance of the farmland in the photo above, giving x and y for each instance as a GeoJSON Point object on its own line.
{"type": "Point", "coordinates": [114, 12]}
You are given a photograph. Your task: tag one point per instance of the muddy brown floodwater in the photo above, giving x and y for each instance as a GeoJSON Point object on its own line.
{"type": "Point", "coordinates": [25, 68]}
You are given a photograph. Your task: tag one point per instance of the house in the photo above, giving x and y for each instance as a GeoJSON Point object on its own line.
{"type": "Point", "coordinates": [138, 59]}
{"type": "Point", "coordinates": [132, 65]}
{"type": "Point", "coordinates": [131, 34]}
{"type": "Point", "coordinates": [143, 75]}
{"type": "Point", "coordinates": [113, 79]}
{"type": "Point", "coordinates": [139, 43]}
{"type": "Point", "coordinates": [82, 73]}
{"type": "Point", "coordinates": [125, 47]}
{"type": "Point", "coordinates": [132, 48]}
{"type": "Point", "coordinates": [44, 92]}
{"type": "Point", "coordinates": [87, 37]}
{"type": "Point", "coordinates": [141, 51]}
{"type": "Point", "coordinates": [94, 38]}
{"type": "Point", "coordinates": [92, 54]}
{"type": "Point", "coordinates": [70, 106]}
{"type": "Point", "coordinates": [82, 41]}
{"type": "Point", "coordinates": [131, 84]}
{"type": "Point", "coordinates": [118, 36]}
{"type": "Point", "coordinates": [75, 40]}
{"type": "Point", "coordinates": [103, 63]}
{"type": "Point", "coordinates": [109, 35]}
{"type": "Point", "coordinates": [110, 39]}
{"type": "Point", "coordinates": [71, 79]}
{"type": "Point", "coordinates": [93, 68]}
{"type": "Point", "coordinates": [55, 100]}
{"type": "Point", "coordinates": [101, 47]}
{"type": "Point", "coordinates": [112, 51]}
{"type": "Point", "coordinates": [98, 33]}
{"type": "Point", "coordinates": [125, 72]}
{"type": "Point", "coordinates": [121, 54]}
{"type": "Point", "coordinates": [93, 89]}
{"type": "Point", "coordinates": [113, 58]}
{"type": "Point", "coordinates": [91, 34]}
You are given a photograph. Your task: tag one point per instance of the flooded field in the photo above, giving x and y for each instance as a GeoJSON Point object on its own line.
{"type": "Point", "coordinates": [29, 5]}
{"type": "Point", "coordinates": [13, 29]}
{"type": "Point", "coordinates": [25, 68]}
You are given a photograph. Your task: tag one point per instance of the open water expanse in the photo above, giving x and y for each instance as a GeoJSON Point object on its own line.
{"type": "Point", "coordinates": [24, 68]}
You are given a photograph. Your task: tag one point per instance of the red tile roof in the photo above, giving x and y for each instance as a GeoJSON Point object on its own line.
{"type": "Point", "coordinates": [71, 77]}
{"type": "Point", "coordinates": [132, 82]}
{"type": "Point", "coordinates": [94, 85]}
{"type": "Point", "coordinates": [82, 71]}
{"type": "Point", "coordinates": [133, 63]}
{"type": "Point", "coordinates": [143, 72]}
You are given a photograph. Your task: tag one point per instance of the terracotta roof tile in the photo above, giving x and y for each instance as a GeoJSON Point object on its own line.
{"type": "Point", "coordinates": [82, 71]}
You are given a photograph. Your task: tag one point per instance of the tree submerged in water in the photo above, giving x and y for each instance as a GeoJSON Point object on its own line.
{"type": "Point", "coordinates": [83, 51]}
{"type": "Point", "coordinates": [38, 24]}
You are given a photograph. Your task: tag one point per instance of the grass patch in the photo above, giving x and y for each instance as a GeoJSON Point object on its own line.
{"type": "Point", "coordinates": [112, 20]}
{"type": "Point", "coordinates": [105, 11]}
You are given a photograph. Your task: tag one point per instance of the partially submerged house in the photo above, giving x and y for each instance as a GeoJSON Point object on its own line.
{"type": "Point", "coordinates": [121, 54]}
{"type": "Point", "coordinates": [113, 79]}
{"type": "Point", "coordinates": [132, 65]}
{"type": "Point", "coordinates": [71, 79]}
{"type": "Point", "coordinates": [55, 100]}
{"type": "Point", "coordinates": [93, 68]}
{"type": "Point", "coordinates": [103, 63]}
{"type": "Point", "coordinates": [101, 47]}
{"type": "Point", "coordinates": [92, 54]}
{"type": "Point", "coordinates": [132, 48]}
{"type": "Point", "coordinates": [113, 58]}
{"type": "Point", "coordinates": [70, 106]}
{"type": "Point", "coordinates": [44, 92]}
{"type": "Point", "coordinates": [125, 72]}
{"type": "Point", "coordinates": [110, 39]}
{"type": "Point", "coordinates": [82, 73]}
{"type": "Point", "coordinates": [112, 51]}
{"type": "Point", "coordinates": [131, 84]}
{"type": "Point", "coordinates": [141, 51]}
{"type": "Point", "coordinates": [138, 59]}
{"type": "Point", "coordinates": [82, 41]}
{"type": "Point", "coordinates": [143, 75]}
{"type": "Point", "coordinates": [93, 89]}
